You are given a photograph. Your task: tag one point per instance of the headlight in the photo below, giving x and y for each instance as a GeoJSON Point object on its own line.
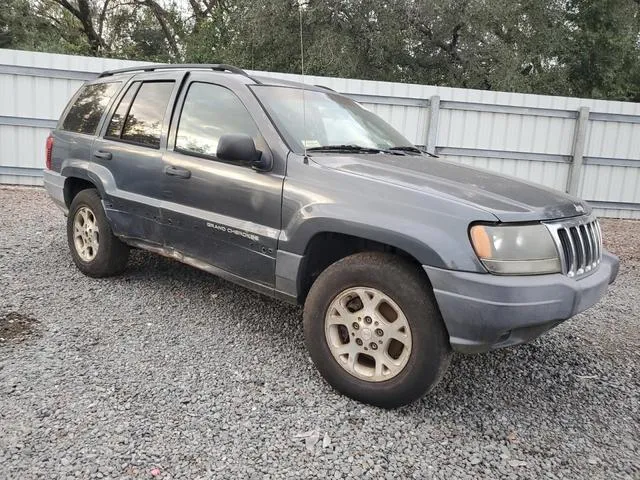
{"type": "Point", "coordinates": [515, 249]}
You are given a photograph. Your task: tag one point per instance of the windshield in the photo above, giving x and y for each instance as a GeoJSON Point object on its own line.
{"type": "Point", "coordinates": [331, 120]}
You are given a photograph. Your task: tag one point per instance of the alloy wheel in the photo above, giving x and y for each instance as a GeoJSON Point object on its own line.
{"type": "Point", "coordinates": [86, 238]}
{"type": "Point", "coordinates": [368, 334]}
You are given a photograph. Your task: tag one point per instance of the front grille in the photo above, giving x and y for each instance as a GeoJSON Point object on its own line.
{"type": "Point", "coordinates": [579, 243]}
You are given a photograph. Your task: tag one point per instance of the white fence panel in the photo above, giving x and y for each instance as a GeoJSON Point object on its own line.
{"type": "Point", "coordinates": [532, 137]}
{"type": "Point", "coordinates": [34, 89]}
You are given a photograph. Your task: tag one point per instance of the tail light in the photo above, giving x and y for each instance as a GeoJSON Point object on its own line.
{"type": "Point", "coordinates": [49, 151]}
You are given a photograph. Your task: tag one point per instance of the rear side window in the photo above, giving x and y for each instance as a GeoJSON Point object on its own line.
{"type": "Point", "coordinates": [143, 116]}
{"type": "Point", "coordinates": [117, 120]}
{"type": "Point", "coordinates": [209, 112]}
{"type": "Point", "coordinates": [86, 112]}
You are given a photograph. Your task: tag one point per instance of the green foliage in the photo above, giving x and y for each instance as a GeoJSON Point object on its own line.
{"type": "Point", "coordinates": [140, 37]}
{"type": "Point", "coordinates": [602, 53]}
{"type": "Point", "coordinates": [559, 47]}
{"type": "Point", "coordinates": [20, 28]}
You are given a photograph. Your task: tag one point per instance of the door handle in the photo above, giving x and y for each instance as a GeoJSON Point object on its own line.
{"type": "Point", "coordinates": [102, 154]}
{"type": "Point", "coordinates": [177, 172]}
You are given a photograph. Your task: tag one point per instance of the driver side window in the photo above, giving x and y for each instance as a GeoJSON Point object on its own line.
{"type": "Point", "coordinates": [209, 112]}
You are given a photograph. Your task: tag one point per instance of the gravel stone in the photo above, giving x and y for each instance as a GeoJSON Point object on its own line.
{"type": "Point", "coordinates": [326, 441]}
{"type": "Point", "coordinates": [168, 372]}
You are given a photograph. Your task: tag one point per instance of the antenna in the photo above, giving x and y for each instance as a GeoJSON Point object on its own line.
{"type": "Point", "coordinates": [304, 108]}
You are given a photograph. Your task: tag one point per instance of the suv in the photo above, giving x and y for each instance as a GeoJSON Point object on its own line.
{"type": "Point", "coordinates": [299, 193]}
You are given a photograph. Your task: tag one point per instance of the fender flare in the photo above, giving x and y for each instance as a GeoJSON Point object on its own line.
{"type": "Point", "coordinates": [98, 175]}
{"type": "Point", "coordinates": [419, 250]}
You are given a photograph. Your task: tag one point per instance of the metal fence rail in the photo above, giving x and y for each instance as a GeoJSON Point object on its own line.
{"type": "Point", "coordinates": [589, 148]}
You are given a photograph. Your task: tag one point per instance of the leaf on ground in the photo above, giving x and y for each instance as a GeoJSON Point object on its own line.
{"type": "Point", "coordinates": [310, 438]}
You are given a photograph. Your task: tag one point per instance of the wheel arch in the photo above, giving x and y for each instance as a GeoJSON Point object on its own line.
{"type": "Point", "coordinates": [78, 179]}
{"type": "Point", "coordinates": [327, 247]}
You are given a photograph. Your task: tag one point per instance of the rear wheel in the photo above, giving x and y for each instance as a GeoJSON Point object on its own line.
{"type": "Point", "coordinates": [374, 331]}
{"type": "Point", "coordinates": [95, 250]}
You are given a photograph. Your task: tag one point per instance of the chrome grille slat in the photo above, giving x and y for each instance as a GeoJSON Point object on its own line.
{"type": "Point", "coordinates": [589, 235]}
{"type": "Point", "coordinates": [579, 244]}
{"type": "Point", "coordinates": [582, 253]}
{"type": "Point", "coordinates": [587, 247]}
{"type": "Point", "coordinates": [596, 239]}
{"type": "Point", "coordinates": [573, 257]}
{"type": "Point", "coordinates": [592, 250]}
{"type": "Point", "coordinates": [585, 243]}
{"type": "Point", "coordinates": [599, 240]}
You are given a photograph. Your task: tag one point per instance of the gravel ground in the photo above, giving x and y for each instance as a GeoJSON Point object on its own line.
{"type": "Point", "coordinates": [168, 372]}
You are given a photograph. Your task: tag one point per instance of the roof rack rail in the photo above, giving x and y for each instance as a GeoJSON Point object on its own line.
{"type": "Point", "coordinates": [220, 67]}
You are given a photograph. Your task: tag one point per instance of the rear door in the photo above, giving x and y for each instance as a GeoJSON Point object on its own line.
{"type": "Point", "coordinates": [130, 147]}
{"type": "Point", "coordinates": [79, 123]}
{"type": "Point", "coordinates": [223, 213]}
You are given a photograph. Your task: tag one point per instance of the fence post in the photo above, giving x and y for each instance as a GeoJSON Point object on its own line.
{"type": "Point", "coordinates": [434, 118]}
{"type": "Point", "coordinates": [579, 138]}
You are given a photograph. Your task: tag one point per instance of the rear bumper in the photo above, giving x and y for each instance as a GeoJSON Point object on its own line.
{"type": "Point", "coordinates": [483, 312]}
{"type": "Point", "coordinates": [54, 184]}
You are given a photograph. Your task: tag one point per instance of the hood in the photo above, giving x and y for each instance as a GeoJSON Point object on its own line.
{"type": "Point", "coordinates": [509, 199]}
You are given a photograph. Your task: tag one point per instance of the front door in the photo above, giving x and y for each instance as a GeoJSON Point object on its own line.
{"type": "Point", "coordinates": [225, 214]}
{"type": "Point", "coordinates": [130, 148]}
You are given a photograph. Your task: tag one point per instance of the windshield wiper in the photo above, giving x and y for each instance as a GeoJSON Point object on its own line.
{"type": "Point", "coordinates": [352, 148]}
{"type": "Point", "coordinates": [407, 148]}
{"type": "Point", "coordinates": [411, 148]}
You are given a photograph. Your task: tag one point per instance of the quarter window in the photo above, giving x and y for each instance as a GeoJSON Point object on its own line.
{"type": "Point", "coordinates": [143, 121]}
{"type": "Point", "coordinates": [209, 112]}
{"type": "Point", "coordinates": [86, 112]}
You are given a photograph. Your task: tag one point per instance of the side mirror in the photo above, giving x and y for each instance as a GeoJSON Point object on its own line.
{"type": "Point", "coordinates": [241, 148]}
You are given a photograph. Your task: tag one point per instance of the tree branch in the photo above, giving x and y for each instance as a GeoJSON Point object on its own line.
{"type": "Point", "coordinates": [103, 15]}
{"type": "Point", "coordinates": [163, 19]}
{"type": "Point", "coordinates": [83, 13]}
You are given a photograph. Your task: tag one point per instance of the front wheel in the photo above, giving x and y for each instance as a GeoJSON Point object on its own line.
{"type": "Point", "coordinates": [374, 331]}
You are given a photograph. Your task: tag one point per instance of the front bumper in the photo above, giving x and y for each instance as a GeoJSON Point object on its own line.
{"type": "Point", "coordinates": [483, 312]}
{"type": "Point", "coordinates": [54, 184]}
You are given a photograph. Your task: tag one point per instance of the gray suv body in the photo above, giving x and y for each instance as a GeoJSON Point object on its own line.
{"type": "Point", "coordinates": [398, 257]}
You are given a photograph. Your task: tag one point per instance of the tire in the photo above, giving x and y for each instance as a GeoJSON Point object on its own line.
{"type": "Point", "coordinates": [96, 251]}
{"type": "Point", "coordinates": [360, 279]}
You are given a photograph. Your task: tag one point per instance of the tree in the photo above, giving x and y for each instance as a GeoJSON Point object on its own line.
{"type": "Point", "coordinates": [341, 37]}
{"type": "Point", "coordinates": [19, 28]}
{"type": "Point", "coordinates": [145, 29]}
{"type": "Point", "coordinates": [559, 47]}
{"type": "Point", "coordinates": [499, 44]}
{"type": "Point", "coordinates": [602, 54]}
